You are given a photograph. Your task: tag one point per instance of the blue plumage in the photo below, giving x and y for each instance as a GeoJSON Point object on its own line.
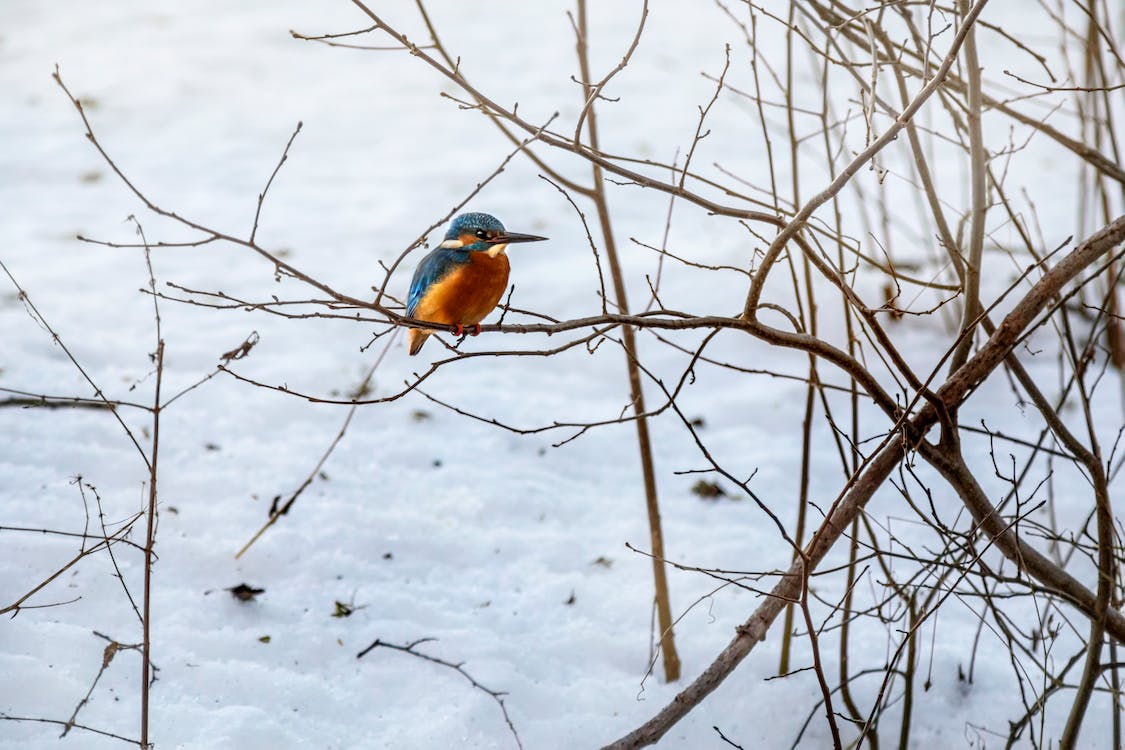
{"type": "Point", "coordinates": [433, 268]}
{"type": "Point", "coordinates": [473, 223]}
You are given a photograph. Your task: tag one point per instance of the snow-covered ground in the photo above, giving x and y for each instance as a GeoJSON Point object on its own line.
{"type": "Point", "coordinates": [506, 550]}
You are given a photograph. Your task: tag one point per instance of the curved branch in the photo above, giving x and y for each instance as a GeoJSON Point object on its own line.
{"type": "Point", "coordinates": [872, 475]}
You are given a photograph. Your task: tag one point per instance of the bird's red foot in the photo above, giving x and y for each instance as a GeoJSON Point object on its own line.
{"type": "Point", "coordinates": [459, 330]}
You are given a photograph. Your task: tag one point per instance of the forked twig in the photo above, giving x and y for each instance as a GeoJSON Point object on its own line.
{"type": "Point", "coordinates": [458, 667]}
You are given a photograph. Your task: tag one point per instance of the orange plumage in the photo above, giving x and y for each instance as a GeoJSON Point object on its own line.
{"type": "Point", "coordinates": [464, 296]}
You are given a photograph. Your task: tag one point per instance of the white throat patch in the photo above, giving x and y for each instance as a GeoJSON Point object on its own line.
{"type": "Point", "coordinates": [492, 251]}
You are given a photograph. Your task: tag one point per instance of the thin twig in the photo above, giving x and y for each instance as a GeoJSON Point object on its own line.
{"type": "Point", "coordinates": [459, 667]}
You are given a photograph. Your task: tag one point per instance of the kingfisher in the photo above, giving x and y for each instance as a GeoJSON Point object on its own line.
{"type": "Point", "coordinates": [463, 279]}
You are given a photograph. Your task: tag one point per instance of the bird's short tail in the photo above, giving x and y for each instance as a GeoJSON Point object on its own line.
{"type": "Point", "coordinates": [416, 337]}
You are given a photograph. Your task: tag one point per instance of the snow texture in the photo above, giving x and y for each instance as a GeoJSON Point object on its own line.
{"type": "Point", "coordinates": [506, 550]}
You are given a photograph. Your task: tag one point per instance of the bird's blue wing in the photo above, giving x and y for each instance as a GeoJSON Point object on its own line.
{"type": "Point", "coordinates": [431, 270]}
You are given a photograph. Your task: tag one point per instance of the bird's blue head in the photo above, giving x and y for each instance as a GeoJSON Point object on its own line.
{"type": "Point", "coordinates": [477, 231]}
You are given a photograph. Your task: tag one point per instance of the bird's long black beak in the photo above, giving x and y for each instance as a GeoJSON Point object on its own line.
{"type": "Point", "coordinates": [508, 238]}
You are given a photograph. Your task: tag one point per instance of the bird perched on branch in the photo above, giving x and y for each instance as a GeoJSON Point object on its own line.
{"type": "Point", "coordinates": [463, 279]}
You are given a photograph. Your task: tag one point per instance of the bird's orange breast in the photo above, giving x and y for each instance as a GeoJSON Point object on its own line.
{"type": "Point", "coordinates": [467, 294]}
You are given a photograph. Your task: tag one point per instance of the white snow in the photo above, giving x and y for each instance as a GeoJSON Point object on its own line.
{"type": "Point", "coordinates": [445, 527]}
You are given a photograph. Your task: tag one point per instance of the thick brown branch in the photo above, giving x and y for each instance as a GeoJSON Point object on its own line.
{"type": "Point", "coordinates": [872, 476]}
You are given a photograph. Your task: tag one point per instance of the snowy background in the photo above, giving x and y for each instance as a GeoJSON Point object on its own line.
{"type": "Point", "coordinates": [508, 551]}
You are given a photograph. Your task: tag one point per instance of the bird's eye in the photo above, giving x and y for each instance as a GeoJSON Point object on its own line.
{"type": "Point", "coordinates": [481, 233]}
